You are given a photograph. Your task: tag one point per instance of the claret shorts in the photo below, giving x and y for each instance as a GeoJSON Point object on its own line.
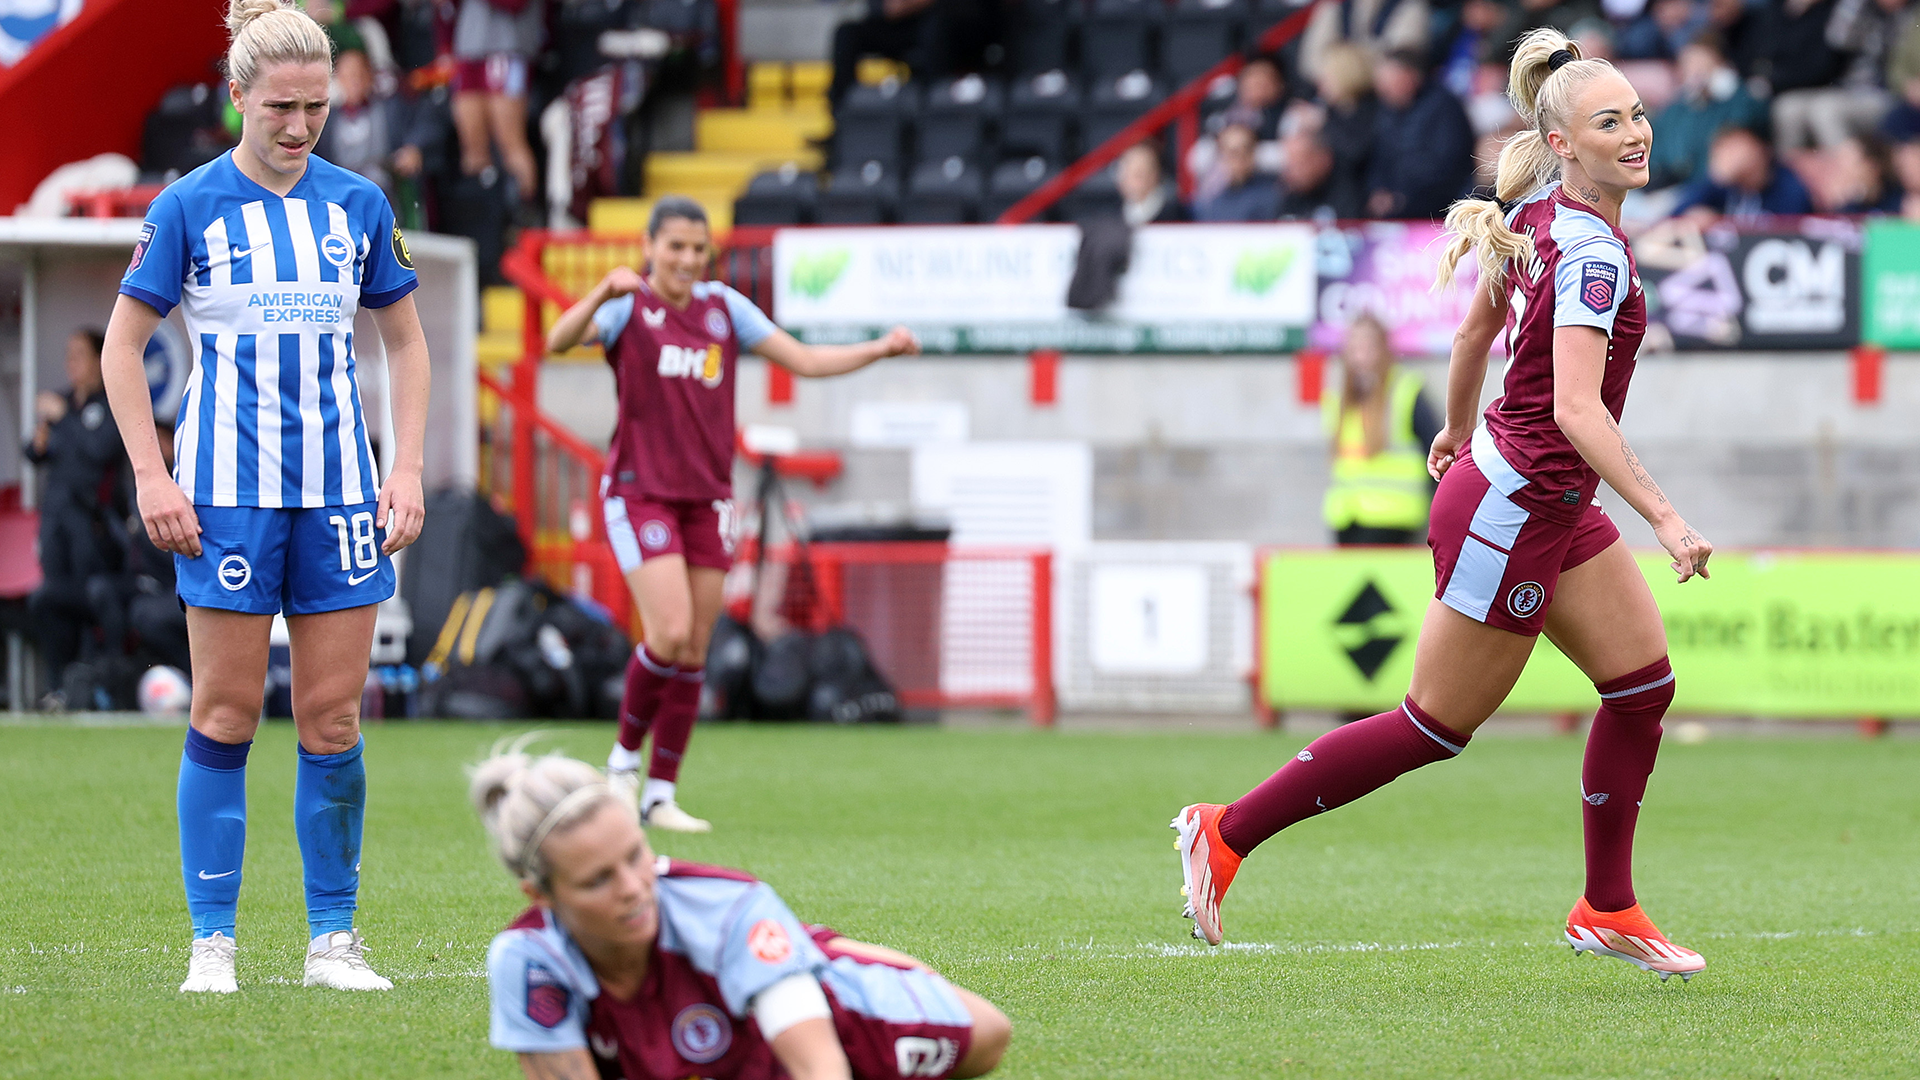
{"type": "Point", "coordinates": [1493, 561]}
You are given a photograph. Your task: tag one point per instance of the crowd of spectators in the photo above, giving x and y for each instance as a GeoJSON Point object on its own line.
{"type": "Point", "coordinates": [1393, 108]}
{"type": "Point", "coordinates": [451, 106]}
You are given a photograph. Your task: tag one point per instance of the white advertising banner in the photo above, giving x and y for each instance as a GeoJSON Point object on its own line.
{"type": "Point", "coordinates": [1189, 288]}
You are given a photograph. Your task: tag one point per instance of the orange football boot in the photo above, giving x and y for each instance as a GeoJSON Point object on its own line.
{"type": "Point", "coordinates": [1629, 935]}
{"type": "Point", "coordinates": [1207, 866]}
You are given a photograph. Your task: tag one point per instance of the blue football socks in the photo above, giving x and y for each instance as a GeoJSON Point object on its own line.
{"type": "Point", "coordinates": [329, 807]}
{"type": "Point", "coordinates": [213, 830]}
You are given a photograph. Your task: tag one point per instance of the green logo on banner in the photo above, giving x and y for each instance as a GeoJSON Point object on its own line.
{"type": "Point", "coordinates": [1258, 269]}
{"type": "Point", "coordinates": [814, 273]}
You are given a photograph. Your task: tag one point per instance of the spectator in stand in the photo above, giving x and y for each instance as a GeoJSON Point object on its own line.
{"type": "Point", "coordinates": [1460, 58]}
{"type": "Point", "coordinates": [1144, 198]}
{"type": "Point", "coordinates": [1307, 191]}
{"type": "Point", "coordinates": [1743, 182]}
{"type": "Point", "coordinates": [1346, 92]}
{"type": "Point", "coordinates": [1711, 97]}
{"type": "Point", "coordinates": [1663, 32]}
{"type": "Point", "coordinates": [494, 45]}
{"type": "Point", "coordinates": [1864, 182]}
{"type": "Point", "coordinates": [1259, 99]}
{"type": "Point", "coordinates": [1247, 195]}
{"type": "Point", "coordinates": [1422, 142]}
{"type": "Point", "coordinates": [1533, 14]}
{"type": "Point", "coordinates": [1790, 54]}
{"type": "Point", "coordinates": [384, 138]}
{"type": "Point", "coordinates": [1858, 35]}
{"type": "Point", "coordinates": [1377, 26]}
{"type": "Point", "coordinates": [1906, 168]}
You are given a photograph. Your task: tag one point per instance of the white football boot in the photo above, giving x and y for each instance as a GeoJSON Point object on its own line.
{"type": "Point", "coordinates": [667, 815]}
{"type": "Point", "coordinates": [210, 967]}
{"type": "Point", "coordinates": [339, 960]}
{"type": "Point", "coordinates": [625, 781]}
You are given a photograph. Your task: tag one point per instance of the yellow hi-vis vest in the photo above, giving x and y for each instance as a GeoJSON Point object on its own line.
{"type": "Point", "coordinates": [1391, 489]}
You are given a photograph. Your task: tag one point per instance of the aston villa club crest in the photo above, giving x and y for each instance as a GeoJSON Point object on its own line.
{"type": "Point", "coordinates": [702, 1033]}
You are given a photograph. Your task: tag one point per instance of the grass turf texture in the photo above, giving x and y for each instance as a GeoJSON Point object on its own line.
{"type": "Point", "coordinates": [1415, 933]}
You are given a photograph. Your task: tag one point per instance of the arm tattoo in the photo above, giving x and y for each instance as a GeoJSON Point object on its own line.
{"type": "Point", "coordinates": [1633, 461]}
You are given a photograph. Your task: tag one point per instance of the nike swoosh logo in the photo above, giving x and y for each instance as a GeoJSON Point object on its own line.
{"type": "Point", "coordinates": [239, 253]}
{"type": "Point", "coordinates": [204, 876]}
{"type": "Point", "coordinates": [357, 580]}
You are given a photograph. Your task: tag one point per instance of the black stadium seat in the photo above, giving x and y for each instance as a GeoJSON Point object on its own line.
{"type": "Point", "coordinates": [871, 125]}
{"type": "Point", "coordinates": [783, 197]}
{"type": "Point", "coordinates": [958, 118]}
{"type": "Point", "coordinates": [1040, 116]}
{"type": "Point", "coordinates": [1097, 196]}
{"type": "Point", "coordinates": [1116, 103]}
{"type": "Point", "coordinates": [951, 135]}
{"type": "Point", "coordinates": [1042, 36]}
{"type": "Point", "coordinates": [942, 193]}
{"type": "Point", "coordinates": [864, 196]}
{"type": "Point", "coordinates": [1200, 34]}
{"type": "Point", "coordinates": [1013, 181]}
{"type": "Point", "coordinates": [1119, 36]}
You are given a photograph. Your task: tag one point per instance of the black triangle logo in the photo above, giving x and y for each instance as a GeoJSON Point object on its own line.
{"type": "Point", "coordinates": [1370, 656]}
{"type": "Point", "coordinates": [1365, 606]}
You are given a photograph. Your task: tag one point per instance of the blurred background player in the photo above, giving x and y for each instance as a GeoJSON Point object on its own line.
{"type": "Point", "coordinates": [272, 505]}
{"type": "Point", "coordinates": [631, 965]}
{"type": "Point", "coordinates": [1381, 427]}
{"type": "Point", "coordinates": [673, 340]}
{"type": "Point", "coordinates": [1515, 514]}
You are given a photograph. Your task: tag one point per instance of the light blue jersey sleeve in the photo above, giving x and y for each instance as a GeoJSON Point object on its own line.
{"type": "Point", "coordinates": [1592, 277]}
{"type": "Point", "coordinates": [539, 1003]}
{"type": "Point", "coordinates": [159, 265]}
{"type": "Point", "coordinates": [389, 274]}
{"type": "Point", "coordinates": [750, 324]}
{"type": "Point", "coordinates": [740, 933]}
{"type": "Point", "coordinates": [612, 317]}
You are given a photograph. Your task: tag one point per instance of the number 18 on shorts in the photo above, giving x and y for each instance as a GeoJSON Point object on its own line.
{"type": "Point", "coordinates": [301, 561]}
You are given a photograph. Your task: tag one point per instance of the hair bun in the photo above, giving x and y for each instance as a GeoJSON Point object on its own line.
{"type": "Point", "coordinates": [242, 12]}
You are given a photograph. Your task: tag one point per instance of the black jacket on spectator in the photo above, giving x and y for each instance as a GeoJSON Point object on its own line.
{"type": "Point", "coordinates": [1791, 51]}
{"type": "Point", "coordinates": [1350, 137]}
{"type": "Point", "coordinates": [83, 492]}
{"type": "Point", "coordinates": [1423, 154]}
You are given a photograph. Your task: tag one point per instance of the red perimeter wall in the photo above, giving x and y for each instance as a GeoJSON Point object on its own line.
{"type": "Point", "coordinates": [87, 88]}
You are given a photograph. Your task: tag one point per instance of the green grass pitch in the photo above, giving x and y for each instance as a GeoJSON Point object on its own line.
{"type": "Point", "coordinates": [1414, 934]}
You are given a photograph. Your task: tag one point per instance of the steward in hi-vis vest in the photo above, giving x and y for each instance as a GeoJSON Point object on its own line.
{"type": "Point", "coordinates": [1385, 491]}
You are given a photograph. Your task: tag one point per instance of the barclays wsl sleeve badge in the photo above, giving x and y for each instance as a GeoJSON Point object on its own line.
{"type": "Point", "coordinates": [400, 253]}
{"type": "Point", "coordinates": [140, 246]}
{"type": "Point", "coordinates": [1597, 281]}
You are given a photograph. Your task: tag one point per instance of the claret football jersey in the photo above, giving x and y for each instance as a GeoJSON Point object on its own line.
{"type": "Point", "coordinates": [268, 286]}
{"type": "Point", "coordinates": [674, 369]}
{"type": "Point", "coordinates": [1582, 274]}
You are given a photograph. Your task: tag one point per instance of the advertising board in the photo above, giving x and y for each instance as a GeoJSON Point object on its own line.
{"type": "Point", "coordinates": [1188, 288]}
{"type": "Point", "coordinates": [1722, 287]}
{"type": "Point", "coordinates": [1890, 285]}
{"type": "Point", "coordinates": [1804, 634]}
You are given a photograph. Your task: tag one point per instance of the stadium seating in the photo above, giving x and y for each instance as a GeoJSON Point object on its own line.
{"type": "Point", "coordinates": [1040, 118]}
{"type": "Point", "coordinates": [1013, 181]}
{"type": "Point", "coordinates": [1198, 35]}
{"type": "Point", "coordinates": [1043, 36]}
{"type": "Point", "coordinates": [942, 193]}
{"type": "Point", "coordinates": [1119, 36]}
{"type": "Point", "coordinates": [1117, 102]}
{"type": "Point", "coordinates": [867, 195]}
{"type": "Point", "coordinates": [782, 197]}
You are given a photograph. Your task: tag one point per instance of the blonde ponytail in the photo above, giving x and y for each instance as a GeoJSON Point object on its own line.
{"type": "Point", "coordinates": [1544, 95]}
{"type": "Point", "coordinates": [267, 32]}
{"type": "Point", "coordinates": [522, 800]}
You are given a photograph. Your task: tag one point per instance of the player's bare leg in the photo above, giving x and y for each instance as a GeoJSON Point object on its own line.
{"type": "Point", "coordinates": [1605, 620]}
{"type": "Point", "coordinates": [1462, 671]}
{"type": "Point", "coordinates": [678, 606]}
{"type": "Point", "coordinates": [229, 652]}
{"type": "Point", "coordinates": [329, 652]}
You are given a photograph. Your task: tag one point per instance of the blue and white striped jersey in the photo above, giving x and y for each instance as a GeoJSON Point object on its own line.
{"type": "Point", "coordinates": [268, 287]}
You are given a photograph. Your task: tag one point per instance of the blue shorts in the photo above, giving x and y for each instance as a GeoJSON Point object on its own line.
{"type": "Point", "coordinates": [301, 561]}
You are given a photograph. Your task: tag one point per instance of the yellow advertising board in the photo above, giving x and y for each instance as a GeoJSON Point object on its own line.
{"type": "Point", "coordinates": [1798, 634]}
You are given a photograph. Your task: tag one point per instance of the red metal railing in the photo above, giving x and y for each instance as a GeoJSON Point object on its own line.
{"type": "Point", "coordinates": [1181, 109]}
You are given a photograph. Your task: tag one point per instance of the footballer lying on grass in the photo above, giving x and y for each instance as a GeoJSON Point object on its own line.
{"type": "Point", "coordinates": [648, 967]}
